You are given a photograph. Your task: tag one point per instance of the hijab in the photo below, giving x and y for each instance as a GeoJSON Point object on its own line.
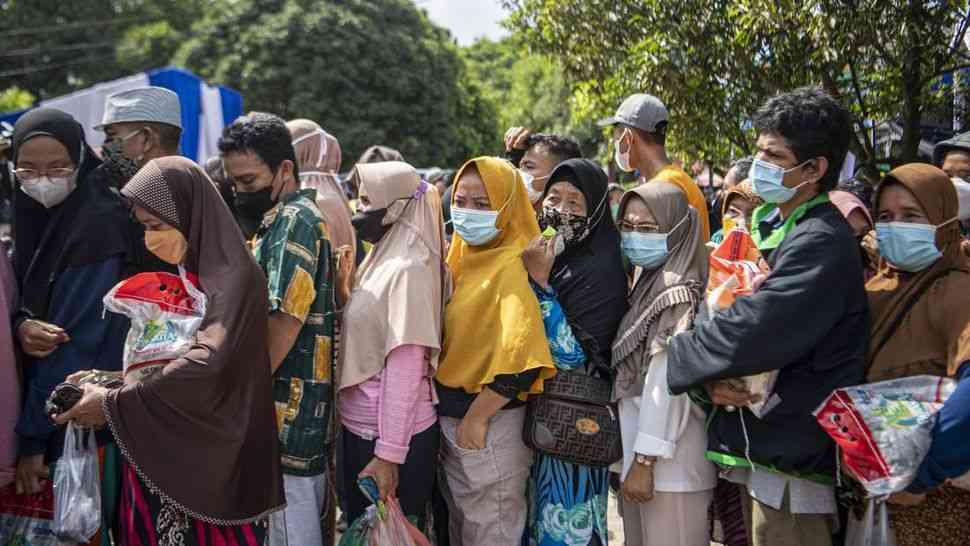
{"type": "Point", "coordinates": [744, 191]}
{"type": "Point", "coordinates": [894, 294]}
{"type": "Point", "coordinates": [589, 278]}
{"type": "Point", "coordinates": [401, 285]}
{"type": "Point", "coordinates": [493, 325]}
{"type": "Point", "coordinates": [88, 227]}
{"type": "Point", "coordinates": [847, 202]}
{"type": "Point", "coordinates": [213, 406]}
{"type": "Point", "coordinates": [318, 159]}
{"type": "Point", "coordinates": [664, 301]}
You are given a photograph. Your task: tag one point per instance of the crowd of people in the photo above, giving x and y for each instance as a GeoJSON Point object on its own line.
{"type": "Point", "coordinates": [495, 347]}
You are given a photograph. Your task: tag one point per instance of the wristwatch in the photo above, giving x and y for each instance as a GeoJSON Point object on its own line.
{"type": "Point", "coordinates": [645, 460]}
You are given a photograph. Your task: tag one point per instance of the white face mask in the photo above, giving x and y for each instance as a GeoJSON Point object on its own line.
{"type": "Point", "coordinates": [622, 158]}
{"type": "Point", "coordinates": [963, 195]}
{"type": "Point", "coordinates": [527, 179]}
{"type": "Point", "coordinates": [49, 191]}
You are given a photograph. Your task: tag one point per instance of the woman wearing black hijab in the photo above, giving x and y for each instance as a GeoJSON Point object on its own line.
{"type": "Point", "coordinates": [70, 249]}
{"type": "Point", "coordinates": [582, 293]}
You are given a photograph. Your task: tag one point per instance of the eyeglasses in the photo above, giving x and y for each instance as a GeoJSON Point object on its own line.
{"type": "Point", "coordinates": [29, 175]}
{"type": "Point", "coordinates": [645, 227]}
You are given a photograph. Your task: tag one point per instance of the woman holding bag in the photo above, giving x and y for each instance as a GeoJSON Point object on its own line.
{"type": "Point", "coordinates": [213, 405]}
{"type": "Point", "coordinates": [582, 295]}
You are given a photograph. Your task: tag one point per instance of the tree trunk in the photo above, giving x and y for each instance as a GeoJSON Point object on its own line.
{"type": "Point", "coordinates": [912, 114]}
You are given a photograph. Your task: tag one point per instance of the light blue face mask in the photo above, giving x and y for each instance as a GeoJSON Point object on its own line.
{"type": "Point", "coordinates": [476, 227]}
{"type": "Point", "coordinates": [908, 247]}
{"type": "Point", "coordinates": [615, 210]}
{"type": "Point", "coordinates": [768, 181]}
{"type": "Point", "coordinates": [647, 250]}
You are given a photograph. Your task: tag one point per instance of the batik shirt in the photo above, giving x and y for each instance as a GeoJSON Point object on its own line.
{"type": "Point", "coordinates": [293, 249]}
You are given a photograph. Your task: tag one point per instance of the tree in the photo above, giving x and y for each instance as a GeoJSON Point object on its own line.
{"type": "Point", "coordinates": [369, 71]}
{"type": "Point", "coordinates": [526, 90]}
{"type": "Point", "coordinates": [15, 98]}
{"type": "Point", "coordinates": [51, 47]}
{"type": "Point", "coordinates": [715, 61]}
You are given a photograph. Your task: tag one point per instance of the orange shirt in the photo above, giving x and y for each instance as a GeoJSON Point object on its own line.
{"type": "Point", "coordinates": [676, 176]}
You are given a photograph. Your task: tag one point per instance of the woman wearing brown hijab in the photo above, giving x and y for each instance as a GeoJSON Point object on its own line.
{"type": "Point", "coordinates": [920, 305]}
{"type": "Point", "coordinates": [199, 437]}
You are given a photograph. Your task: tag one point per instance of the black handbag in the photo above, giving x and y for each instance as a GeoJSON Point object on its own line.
{"type": "Point", "coordinates": [574, 420]}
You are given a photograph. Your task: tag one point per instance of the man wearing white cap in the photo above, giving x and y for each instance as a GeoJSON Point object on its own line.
{"type": "Point", "coordinates": [640, 134]}
{"type": "Point", "coordinates": [139, 125]}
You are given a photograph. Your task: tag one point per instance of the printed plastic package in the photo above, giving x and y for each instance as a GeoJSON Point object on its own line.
{"type": "Point", "coordinates": [165, 311]}
{"type": "Point", "coordinates": [884, 429]}
{"type": "Point", "coordinates": [736, 269]}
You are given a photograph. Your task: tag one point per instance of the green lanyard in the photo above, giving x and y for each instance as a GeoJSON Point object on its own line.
{"type": "Point", "coordinates": [779, 234]}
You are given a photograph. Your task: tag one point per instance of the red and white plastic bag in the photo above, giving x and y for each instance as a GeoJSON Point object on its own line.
{"type": "Point", "coordinates": [165, 311]}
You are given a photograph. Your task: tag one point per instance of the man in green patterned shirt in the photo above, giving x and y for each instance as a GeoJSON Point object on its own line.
{"type": "Point", "coordinates": [292, 247]}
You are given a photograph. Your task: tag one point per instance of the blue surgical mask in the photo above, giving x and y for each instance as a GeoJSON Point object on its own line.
{"type": "Point", "coordinates": [615, 210]}
{"type": "Point", "coordinates": [768, 181]}
{"type": "Point", "coordinates": [476, 227]}
{"type": "Point", "coordinates": [908, 247]}
{"type": "Point", "coordinates": [647, 250]}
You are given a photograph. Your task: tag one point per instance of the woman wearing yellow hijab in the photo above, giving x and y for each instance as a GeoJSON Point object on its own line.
{"type": "Point", "coordinates": [494, 354]}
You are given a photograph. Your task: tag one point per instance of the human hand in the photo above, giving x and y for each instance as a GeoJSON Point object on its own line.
{"type": "Point", "coordinates": [472, 433]}
{"type": "Point", "coordinates": [638, 485]}
{"type": "Point", "coordinates": [89, 411]}
{"type": "Point", "coordinates": [344, 273]}
{"type": "Point", "coordinates": [516, 138]}
{"type": "Point", "coordinates": [904, 498]}
{"type": "Point", "coordinates": [538, 258]}
{"type": "Point", "coordinates": [39, 339]}
{"type": "Point", "coordinates": [31, 474]}
{"type": "Point", "coordinates": [730, 392]}
{"type": "Point", "coordinates": [385, 473]}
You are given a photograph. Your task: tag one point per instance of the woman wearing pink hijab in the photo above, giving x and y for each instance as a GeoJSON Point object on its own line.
{"type": "Point", "coordinates": [318, 158]}
{"type": "Point", "coordinates": [860, 220]}
{"type": "Point", "coordinates": [9, 374]}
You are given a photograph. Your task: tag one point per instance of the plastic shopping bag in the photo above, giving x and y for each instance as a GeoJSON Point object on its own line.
{"type": "Point", "coordinates": [873, 529]}
{"type": "Point", "coordinates": [884, 429]}
{"type": "Point", "coordinates": [27, 520]}
{"type": "Point", "coordinates": [383, 524]}
{"type": "Point", "coordinates": [165, 311]}
{"type": "Point", "coordinates": [736, 266]}
{"type": "Point", "coordinates": [77, 486]}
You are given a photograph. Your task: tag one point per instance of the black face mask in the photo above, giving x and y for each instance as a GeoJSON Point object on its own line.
{"type": "Point", "coordinates": [574, 229]}
{"type": "Point", "coordinates": [370, 225]}
{"type": "Point", "coordinates": [254, 205]}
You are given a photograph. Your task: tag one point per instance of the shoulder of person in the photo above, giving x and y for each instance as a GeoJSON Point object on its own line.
{"type": "Point", "coordinates": [952, 291]}
{"type": "Point", "coordinates": [823, 227]}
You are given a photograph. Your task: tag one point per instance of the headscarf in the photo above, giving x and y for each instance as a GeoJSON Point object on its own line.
{"type": "Point", "coordinates": [318, 159]}
{"type": "Point", "coordinates": [893, 294]}
{"type": "Point", "coordinates": [401, 285]}
{"type": "Point", "coordinates": [493, 325]}
{"type": "Point", "coordinates": [744, 191]}
{"type": "Point", "coordinates": [213, 406]}
{"type": "Point", "coordinates": [88, 227]}
{"type": "Point", "coordinates": [590, 279]}
{"type": "Point", "coordinates": [664, 301]}
{"type": "Point", "coordinates": [847, 202]}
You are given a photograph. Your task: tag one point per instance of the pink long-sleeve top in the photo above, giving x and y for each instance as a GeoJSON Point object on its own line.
{"type": "Point", "coordinates": [394, 405]}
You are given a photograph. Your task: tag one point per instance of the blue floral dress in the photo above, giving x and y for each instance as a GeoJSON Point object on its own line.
{"type": "Point", "coordinates": [567, 501]}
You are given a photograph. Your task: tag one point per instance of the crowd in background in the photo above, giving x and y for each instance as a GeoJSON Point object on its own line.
{"type": "Point", "coordinates": [430, 334]}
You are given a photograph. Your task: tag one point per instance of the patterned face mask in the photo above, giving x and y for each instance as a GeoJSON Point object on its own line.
{"type": "Point", "coordinates": [120, 165]}
{"type": "Point", "coordinates": [573, 228]}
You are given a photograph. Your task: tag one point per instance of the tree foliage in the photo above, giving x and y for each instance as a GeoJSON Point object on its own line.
{"type": "Point", "coordinates": [369, 71]}
{"type": "Point", "coordinates": [527, 90]}
{"type": "Point", "coordinates": [714, 61]}
{"type": "Point", "coordinates": [52, 47]}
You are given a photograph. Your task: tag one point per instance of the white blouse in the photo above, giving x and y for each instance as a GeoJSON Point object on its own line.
{"type": "Point", "coordinates": [670, 428]}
